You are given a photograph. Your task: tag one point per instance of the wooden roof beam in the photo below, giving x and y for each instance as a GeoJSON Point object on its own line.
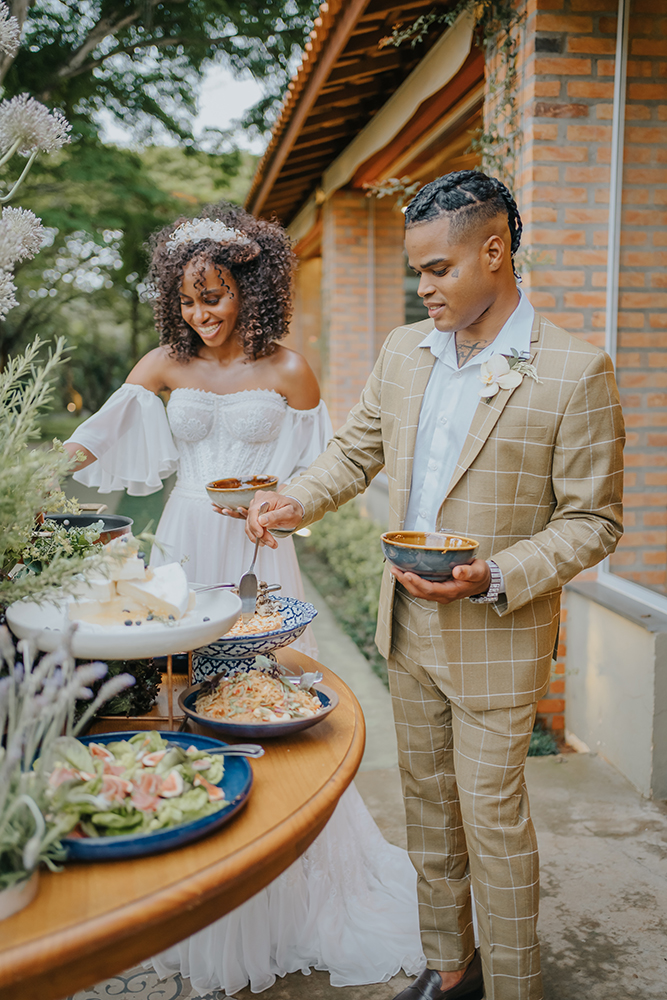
{"type": "Point", "coordinates": [336, 43]}
{"type": "Point", "coordinates": [371, 67]}
{"type": "Point", "coordinates": [341, 95]}
{"type": "Point", "coordinates": [392, 9]}
{"type": "Point", "coordinates": [332, 117]}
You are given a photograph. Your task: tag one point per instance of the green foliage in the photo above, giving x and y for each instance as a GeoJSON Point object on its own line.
{"type": "Point", "coordinates": [497, 21]}
{"type": "Point", "coordinates": [402, 187]}
{"type": "Point", "coordinates": [136, 700]}
{"type": "Point", "coordinates": [142, 60]}
{"type": "Point", "coordinates": [343, 558]}
{"type": "Point", "coordinates": [542, 743]}
{"type": "Point", "coordinates": [54, 540]}
{"type": "Point", "coordinates": [57, 425]}
{"type": "Point", "coordinates": [27, 474]}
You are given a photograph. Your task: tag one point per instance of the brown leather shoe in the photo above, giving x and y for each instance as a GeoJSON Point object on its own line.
{"type": "Point", "coordinates": [428, 986]}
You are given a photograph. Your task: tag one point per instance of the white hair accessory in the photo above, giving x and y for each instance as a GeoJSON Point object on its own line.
{"type": "Point", "coordinates": [197, 230]}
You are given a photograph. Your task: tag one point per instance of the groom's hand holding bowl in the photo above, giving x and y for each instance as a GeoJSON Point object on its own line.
{"type": "Point", "coordinates": [467, 581]}
{"type": "Point", "coordinates": [280, 513]}
{"type": "Point", "coordinates": [436, 566]}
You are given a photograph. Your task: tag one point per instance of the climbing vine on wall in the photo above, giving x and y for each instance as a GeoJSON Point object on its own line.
{"type": "Point", "coordinates": [403, 188]}
{"type": "Point", "coordinates": [497, 25]}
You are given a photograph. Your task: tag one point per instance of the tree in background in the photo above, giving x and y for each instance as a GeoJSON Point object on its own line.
{"type": "Point", "coordinates": [143, 60]}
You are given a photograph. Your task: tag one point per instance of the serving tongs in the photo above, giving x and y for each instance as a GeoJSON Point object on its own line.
{"type": "Point", "coordinates": [220, 586]}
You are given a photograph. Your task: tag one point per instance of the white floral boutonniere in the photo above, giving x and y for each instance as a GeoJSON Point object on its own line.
{"type": "Point", "coordinates": [504, 372]}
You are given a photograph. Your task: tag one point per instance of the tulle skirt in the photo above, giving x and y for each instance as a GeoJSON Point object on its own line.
{"type": "Point", "coordinates": [347, 906]}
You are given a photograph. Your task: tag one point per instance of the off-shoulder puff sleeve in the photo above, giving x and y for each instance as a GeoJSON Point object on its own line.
{"type": "Point", "coordinates": [303, 436]}
{"type": "Point", "coordinates": [131, 439]}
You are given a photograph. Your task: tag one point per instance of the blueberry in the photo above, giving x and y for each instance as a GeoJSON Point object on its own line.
{"type": "Point", "coordinates": [128, 621]}
{"type": "Point", "coordinates": [137, 623]}
{"type": "Point", "coordinates": [206, 619]}
{"type": "Point", "coordinates": [149, 618]}
{"type": "Point", "coordinates": [171, 618]}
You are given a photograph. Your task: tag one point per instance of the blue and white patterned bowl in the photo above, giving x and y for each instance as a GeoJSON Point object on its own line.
{"type": "Point", "coordinates": [236, 652]}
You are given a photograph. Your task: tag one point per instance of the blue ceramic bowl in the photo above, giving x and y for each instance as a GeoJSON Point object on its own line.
{"type": "Point", "coordinates": [232, 652]}
{"type": "Point", "coordinates": [429, 554]}
{"type": "Point", "coordinates": [258, 730]}
{"type": "Point", "coordinates": [236, 784]}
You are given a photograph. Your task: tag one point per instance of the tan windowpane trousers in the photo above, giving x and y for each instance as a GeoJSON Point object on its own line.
{"type": "Point", "coordinates": [467, 812]}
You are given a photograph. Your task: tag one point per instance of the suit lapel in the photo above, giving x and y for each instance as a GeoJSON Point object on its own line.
{"type": "Point", "coordinates": [419, 376]}
{"type": "Point", "coordinates": [485, 419]}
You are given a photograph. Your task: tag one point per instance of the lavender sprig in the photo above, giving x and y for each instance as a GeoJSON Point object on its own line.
{"type": "Point", "coordinates": [37, 700]}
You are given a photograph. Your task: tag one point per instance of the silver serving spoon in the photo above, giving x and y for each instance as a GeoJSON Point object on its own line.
{"type": "Point", "coordinates": [248, 583]}
{"type": "Point", "coordinates": [239, 750]}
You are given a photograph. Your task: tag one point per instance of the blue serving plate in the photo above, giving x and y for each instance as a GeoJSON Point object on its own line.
{"type": "Point", "coordinates": [236, 784]}
{"type": "Point", "coordinates": [259, 730]}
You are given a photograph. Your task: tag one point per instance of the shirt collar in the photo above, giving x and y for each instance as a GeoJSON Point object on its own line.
{"type": "Point", "coordinates": [515, 333]}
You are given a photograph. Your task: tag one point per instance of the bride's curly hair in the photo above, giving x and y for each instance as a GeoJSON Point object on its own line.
{"type": "Point", "coordinates": [262, 266]}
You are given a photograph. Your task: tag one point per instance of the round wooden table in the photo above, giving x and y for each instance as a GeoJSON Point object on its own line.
{"type": "Point", "coordinates": [95, 920]}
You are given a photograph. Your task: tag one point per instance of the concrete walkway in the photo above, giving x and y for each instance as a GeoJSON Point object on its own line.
{"type": "Point", "coordinates": [603, 854]}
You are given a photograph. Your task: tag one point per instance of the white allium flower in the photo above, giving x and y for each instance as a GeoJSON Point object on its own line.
{"type": "Point", "coordinates": [32, 125]}
{"type": "Point", "coordinates": [21, 235]}
{"type": "Point", "coordinates": [7, 290]}
{"type": "Point", "coordinates": [10, 31]}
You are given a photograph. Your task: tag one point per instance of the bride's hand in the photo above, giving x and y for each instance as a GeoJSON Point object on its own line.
{"type": "Point", "coordinates": [240, 513]}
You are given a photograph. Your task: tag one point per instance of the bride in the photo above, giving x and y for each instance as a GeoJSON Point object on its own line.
{"type": "Point", "coordinates": [241, 404]}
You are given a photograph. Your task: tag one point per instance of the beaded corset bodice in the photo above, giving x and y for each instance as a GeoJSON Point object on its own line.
{"type": "Point", "coordinates": [221, 436]}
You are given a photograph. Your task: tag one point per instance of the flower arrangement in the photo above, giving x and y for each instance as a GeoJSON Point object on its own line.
{"type": "Point", "coordinates": [504, 372]}
{"type": "Point", "coordinates": [27, 478]}
{"type": "Point", "coordinates": [54, 541]}
{"type": "Point", "coordinates": [37, 706]}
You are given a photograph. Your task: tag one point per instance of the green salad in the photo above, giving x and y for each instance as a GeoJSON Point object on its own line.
{"type": "Point", "coordinates": [132, 786]}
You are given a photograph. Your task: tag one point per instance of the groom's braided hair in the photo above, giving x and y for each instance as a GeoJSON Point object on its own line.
{"type": "Point", "coordinates": [469, 197]}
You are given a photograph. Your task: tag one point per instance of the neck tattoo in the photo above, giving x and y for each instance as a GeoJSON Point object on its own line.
{"type": "Point", "coordinates": [467, 350]}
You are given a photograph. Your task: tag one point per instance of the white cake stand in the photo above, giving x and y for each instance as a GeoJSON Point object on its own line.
{"type": "Point", "coordinates": [46, 624]}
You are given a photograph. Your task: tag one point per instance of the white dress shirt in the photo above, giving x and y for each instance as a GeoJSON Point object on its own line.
{"type": "Point", "coordinates": [450, 401]}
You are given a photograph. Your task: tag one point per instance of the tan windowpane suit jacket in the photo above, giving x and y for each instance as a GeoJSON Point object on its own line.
{"type": "Point", "coordinates": [538, 484]}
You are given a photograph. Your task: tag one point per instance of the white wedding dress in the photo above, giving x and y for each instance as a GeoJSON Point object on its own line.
{"type": "Point", "coordinates": [348, 905]}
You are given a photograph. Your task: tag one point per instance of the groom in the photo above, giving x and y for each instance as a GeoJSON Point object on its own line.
{"type": "Point", "coordinates": [533, 471]}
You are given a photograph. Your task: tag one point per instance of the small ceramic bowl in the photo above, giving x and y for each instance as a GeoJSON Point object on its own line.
{"type": "Point", "coordinates": [235, 493]}
{"type": "Point", "coordinates": [432, 555]}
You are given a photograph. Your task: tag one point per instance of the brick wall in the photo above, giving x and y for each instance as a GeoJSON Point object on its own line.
{"type": "Point", "coordinates": [562, 188]}
{"type": "Point", "coordinates": [642, 325]}
{"type": "Point", "coordinates": [362, 291]}
{"type": "Point", "coordinates": [306, 326]}
{"type": "Point", "coordinates": [566, 98]}
{"type": "Point", "coordinates": [563, 179]}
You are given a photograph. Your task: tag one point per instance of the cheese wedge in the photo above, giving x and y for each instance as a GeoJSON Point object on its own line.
{"type": "Point", "coordinates": [123, 562]}
{"type": "Point", "coordinates": [167, 593]}
{"type": "Point", "coordinates": [95, 588]}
